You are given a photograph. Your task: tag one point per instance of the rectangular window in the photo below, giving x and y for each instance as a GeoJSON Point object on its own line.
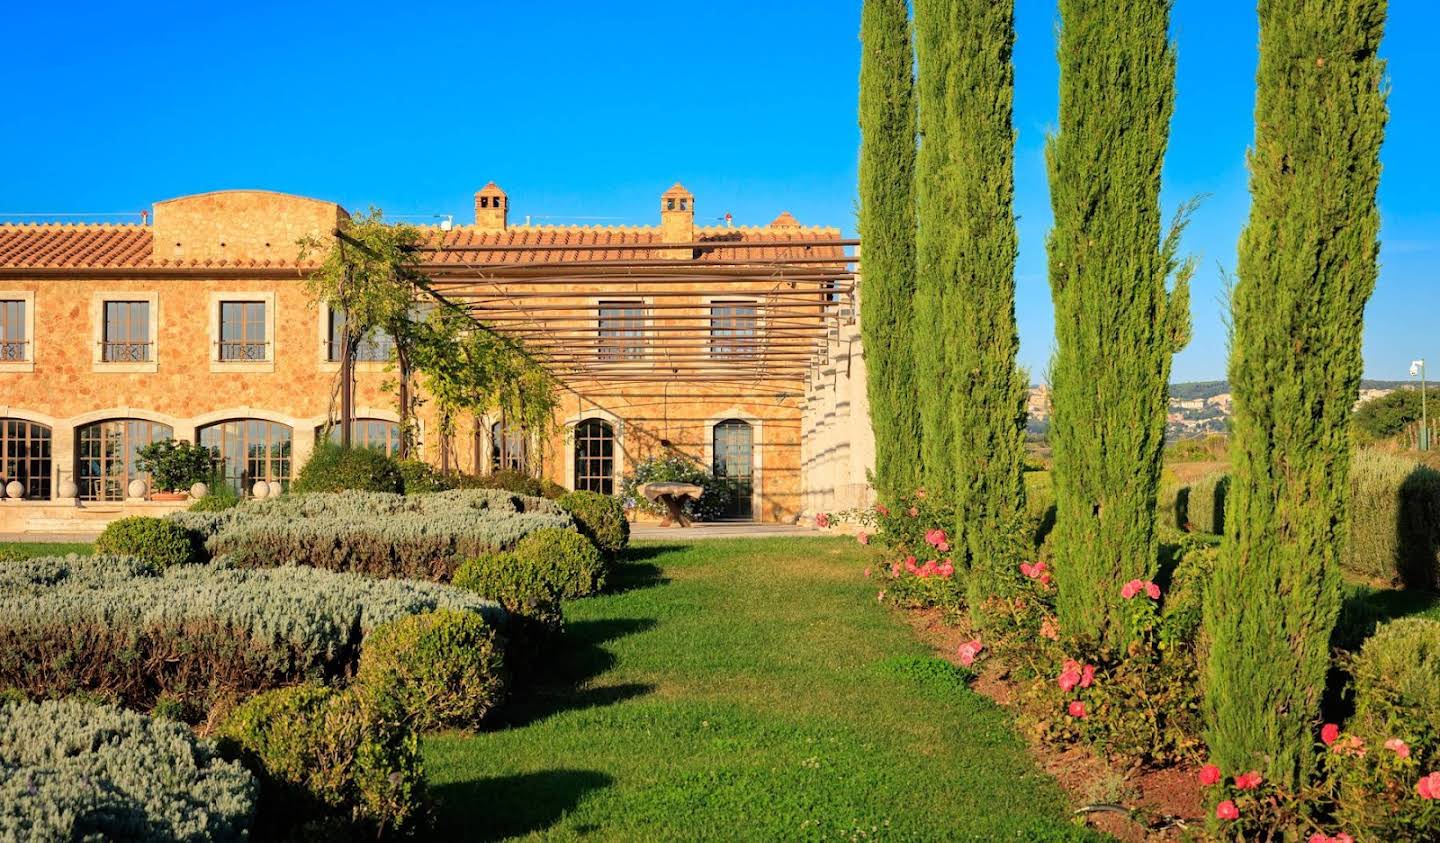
{"type": "Point", "coordinates": [242, 332]}
{"type": "Point", "coordinates": [375, 348]}
{"type": "Point", "coordinates": [733, 328]}
{"type": "Point", "coordinates": [127, 332]}
{"type": "Point", "coordinates": [14, 345]}
{"type": "Point", "coordinates": [622, 330]}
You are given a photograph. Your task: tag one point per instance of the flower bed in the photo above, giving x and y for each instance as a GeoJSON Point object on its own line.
{"type": "Point", "coordinates": [73, 771]}
{"type": "Point", "coordinates": [199, 633]}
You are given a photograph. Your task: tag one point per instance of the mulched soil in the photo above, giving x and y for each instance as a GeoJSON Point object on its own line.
{"type": "Point", "coordinates": [1164, 804]}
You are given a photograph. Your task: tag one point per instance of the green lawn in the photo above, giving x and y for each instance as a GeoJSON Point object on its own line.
{"type": "Point", "coordinates": [26, 550]}
{"type": "Point", "coordinates": [744, 690]}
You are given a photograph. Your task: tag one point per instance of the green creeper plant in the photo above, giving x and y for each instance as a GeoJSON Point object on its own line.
{"type": "Point", "coordinates": [1118, 322]}
{"type": "Point", "coordinates": [1307, 265]}
{"type": "Point", "coordinates": [887, 228]}
{"type": "Point", "coordinates": [967, 228]}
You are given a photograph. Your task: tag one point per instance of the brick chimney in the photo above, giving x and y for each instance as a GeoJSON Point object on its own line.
{"type": "Point", "coordinates": [492, 208]}
{"type": "Point", "coordinates": [677, 220]}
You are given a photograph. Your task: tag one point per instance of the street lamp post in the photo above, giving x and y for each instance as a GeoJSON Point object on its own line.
{"type": "Point", "coordinates": [1417, 367]}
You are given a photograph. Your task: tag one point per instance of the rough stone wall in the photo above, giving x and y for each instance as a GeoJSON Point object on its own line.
{"type": "Point", "coordinates": [239, 226]}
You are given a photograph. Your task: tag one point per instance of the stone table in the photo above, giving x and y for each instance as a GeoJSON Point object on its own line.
{"type": "Point", "coordinates": [673, 495]}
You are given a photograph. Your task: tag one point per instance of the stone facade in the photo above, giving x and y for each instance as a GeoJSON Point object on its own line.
{"type": "Point", "coordinates": [239, 246]}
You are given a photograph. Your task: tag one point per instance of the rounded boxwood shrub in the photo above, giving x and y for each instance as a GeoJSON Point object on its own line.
{"type": "Point", "coordinates": [421, 478]}
{"type": "Point", "coordinates": [74, 771]}
{"type": "Point", "coordinates": [522, 586]}
{"type": "Point", "coordinates": [325, 754]}
{"type": "Point", "coordinates": [332, 468]}
{"type": "Point", "coordinates": [601, 518]}
{"type": "Point", "coordinates": [155, 540]}
{"type": "Point", "coordinates": [441, 668]}
{"type": "Point", "coordinates": [571, 561]}
{"type": "Point", "coordinates": [1397, 697]}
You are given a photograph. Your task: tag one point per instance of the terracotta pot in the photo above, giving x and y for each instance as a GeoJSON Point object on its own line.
{"type": "Point", "coordinates": [169, 496]}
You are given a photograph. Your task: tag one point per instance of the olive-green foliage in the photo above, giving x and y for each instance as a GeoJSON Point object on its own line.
{"type": "Point", "coordinates": [572, 562]}
{"type": "Point", "coordinates": [318, 751]}
{"type": "Point", "coordinates": [1390, 415]}
{"type": "Point", "coordinates": [441, 668]}
{"type": "Point", "coordinates": [968, 245]}
{"type": "Point", "coordinates": [1395, 521]}
{"type": "Point", "coordinates": [524, 587]}
{"type": "Point", "coordinates": [1396, 696]}
{"type": "Point", "coordinates": [175, 466]}
{"type": "Point", "coordinates": [127, 630]}
{"type": "Point", "coordinates": [419, 477]}
{"type": "Point", "coordinates": [332, 468]}
{"type": "Point", "coordinates": [217, 498]}
{"type": "Point", "coordinates": [74, 771]}
{"type": "Point", "coordinates": [519, 483]}
{"type": "Point", "coordinates": [887, 226]}
{"type": "Point", "coordinates": [155, 540]}
{"type": "Point", "coordinates": [600, 518]}
{"type": "Point", "coordinates": [1116, 325]}
{"type": "Point", "coordinates": [1307, 265]}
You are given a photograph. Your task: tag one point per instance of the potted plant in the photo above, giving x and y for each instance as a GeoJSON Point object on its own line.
{"type": "Point", "coordinates": [174, 466]}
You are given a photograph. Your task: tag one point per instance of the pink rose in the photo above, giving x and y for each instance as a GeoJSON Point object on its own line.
{"type": "Point", "coordinates": [968, 651]}
{"type": "Point", "coordinates": [910, 564]}
{"type": "Point", "coordinates": [912, 512]}
{"type": "Point", "coordinates": [1399, 747]}
{"type": "Point", "coordinates": [1342, 837]}
{"type": "Point", "coordinates": [1248, 781]}
{"type": "Point", "coordinates": [1130, 589]}
{"type": "Point", "coordinates": [1027, 569]}
{"type": "Point", "coordinates": [894, 569]}
{"type": "Point", "coordinates": [920, 494]}
{"type": "Point", "coordinates": [862, 537]}
{"type": "Point", "coordinates": [1429, 787]}
{"type": "Point", "coordinates": [935, 537]}
{"type": "Point", "coordinates": [1329, 732]}
{"type": "Point", "coordinates": [1076, 709]}
{"type": "Point", "coordinates": [1087, 675]}
{"type": "Point", "coordinates": [1152, 591]}
{"type": "Point", "coordinates": [867, 573]}
{"type": "Point", "coordinates": [946, 570]}
{"type": "Point", "coordinates": [882, 509]}
{"type": "Point", "coordinates": [1209, 775]}
{"type": "Point", "coordinates": [1050, 629]}
{"type": "Point", "coordinates": [822, 520]}
{"type": "Point", "coordinates": [1045, 578]}
{"type": "Point", "coordinates": [1070, 676]}
{"type": "Point", "coordinates": [1227, 811]}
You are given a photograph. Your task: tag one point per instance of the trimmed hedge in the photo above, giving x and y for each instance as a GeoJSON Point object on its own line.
{"type": "Point", "coordinates": [1394, 518]}
{"type": "Point", "coordinates": [73, 771]}
{"type": "Point", "coordinates": [569, 559]}
{"type": "Point", "coordinates": [332, 468]}
{"type": "Point", "coordinates": [154, 540]}
{"type": "Point", "coordinates": [124, 629]}
{"type": "Point", "coordinates": [319, 751]}
{"type": "Point", "coordinates": [1397, 696]}
{"type": "Point", "coordinates": [601, 519]}
{"type": "Point", "coordinates": [435, 669]}
{"type": "Point", "coordinates": [523, 586]}
{"type": "Point", "coordinates": [519, 483]}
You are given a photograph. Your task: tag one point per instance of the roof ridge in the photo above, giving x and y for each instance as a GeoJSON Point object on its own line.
{"type": "Point", "coordinates": [76, 226]}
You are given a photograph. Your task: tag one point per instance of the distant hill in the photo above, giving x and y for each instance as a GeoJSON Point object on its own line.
{"type": "Point", "coordinates": [1210, 389]}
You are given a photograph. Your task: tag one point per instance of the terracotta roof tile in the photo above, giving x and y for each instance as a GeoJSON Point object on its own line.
{"type": "Point", "coordinates": [49, 245]}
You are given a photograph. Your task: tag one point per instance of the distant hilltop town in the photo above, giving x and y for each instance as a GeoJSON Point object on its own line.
{"type": "Point", "coordinates": [1197, 408]}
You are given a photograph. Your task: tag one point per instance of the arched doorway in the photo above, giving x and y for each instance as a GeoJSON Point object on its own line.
{"type": "Point", "coordinates": [105, 455]}
{"type": "Point", "coordinates": [247, 450]}
{"type": "Point", "coordinates": [25, 456]}
{"type": "Point", "coordinates": [734, 465]}
{"type": "Point", "coordinates": [595, 457]}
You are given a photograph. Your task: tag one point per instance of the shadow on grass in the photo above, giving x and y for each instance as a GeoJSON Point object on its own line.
{"type": "Point", "coordinates": [630, 576]}
{"type": "Point", "coordinates": [1366, 608]}
{"type": "Point", "coordinates": [510, 806]}
{"type": "Point", "coordinates": [578, 657]}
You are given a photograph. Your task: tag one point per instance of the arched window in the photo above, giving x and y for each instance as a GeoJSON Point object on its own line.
{"type": "Point", "coordinates": [509, 448]}
{"type": "Point", "coordinates": [595, 457]}
{"type": "Point", "coordinates": [734, 464]}
{"type": "Point", "coordinates": [105, 455]}
{"type": "Point", "coordinates": [25, 456]}
{"type": "Point", "coordinates": [247, 450]}
{"type": "Point", "coordinates": [370, 433]}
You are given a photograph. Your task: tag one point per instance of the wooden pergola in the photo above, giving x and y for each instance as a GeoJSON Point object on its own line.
{"type": "Point", "coordinates": [753, 315]}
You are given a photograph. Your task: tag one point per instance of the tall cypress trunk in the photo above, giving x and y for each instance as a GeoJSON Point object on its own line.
{"type": "Point", "coordinates": [968, 226]}
{"type": "Point", "coordinates": [1116, 326]}
{"type": "Point", "coordinates": [887, 230]}
{"type": "Point", "coordinates": [1308, 263]}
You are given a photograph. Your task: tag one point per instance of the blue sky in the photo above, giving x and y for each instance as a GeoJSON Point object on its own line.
{"type": "Point", "coordinates": [585, 110]}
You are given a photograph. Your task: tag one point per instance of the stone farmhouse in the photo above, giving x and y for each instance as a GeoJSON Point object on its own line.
{"type": "Point", "coordinates": [734, 346]}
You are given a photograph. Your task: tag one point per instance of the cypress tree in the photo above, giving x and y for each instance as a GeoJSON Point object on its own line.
{"type": "Point", "coordinates": [1116, 326]}
{"type": "Point", "coordinates": [968, 248]}
{"type": "Point", "coordinates": [936, 175]}
{"type": "Point", "coordinates": [1307, 265]}
{"type": "Point", "coordinates": [887, 230]}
